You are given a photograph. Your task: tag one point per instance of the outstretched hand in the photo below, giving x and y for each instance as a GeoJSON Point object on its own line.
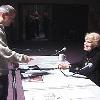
{"type": "Point", "coordinates": [27, 59]}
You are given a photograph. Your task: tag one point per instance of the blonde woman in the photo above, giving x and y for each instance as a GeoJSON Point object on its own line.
{"type": "Point", "coordinates": [90, 63]}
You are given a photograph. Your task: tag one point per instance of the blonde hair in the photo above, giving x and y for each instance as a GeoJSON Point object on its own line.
{"type": "Point", "coordinates": [94, 38]}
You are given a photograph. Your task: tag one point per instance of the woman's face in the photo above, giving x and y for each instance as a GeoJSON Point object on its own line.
{"type": "Point", "coordinates": [88, 45]}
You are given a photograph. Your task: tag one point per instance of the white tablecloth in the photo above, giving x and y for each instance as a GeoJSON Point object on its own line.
{"type": "Point", "coordinates": [57, 86]}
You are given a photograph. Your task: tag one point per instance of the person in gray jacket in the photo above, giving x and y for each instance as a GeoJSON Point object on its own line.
{"type": "Point", "coordinates": [7, 15]}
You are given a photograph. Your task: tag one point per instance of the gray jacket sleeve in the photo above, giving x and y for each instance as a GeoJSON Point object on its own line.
{"type": "Point", "coordinates": [9, 55]}
{"type": "Point", "coordinates": [6, 53]}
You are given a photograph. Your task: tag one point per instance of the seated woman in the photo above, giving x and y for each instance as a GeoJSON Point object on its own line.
{"type": "Point", "coordinates": [90, 63]}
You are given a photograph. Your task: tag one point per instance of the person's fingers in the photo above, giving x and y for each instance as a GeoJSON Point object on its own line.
{"type": "Point", "coordinates": [63, 66]}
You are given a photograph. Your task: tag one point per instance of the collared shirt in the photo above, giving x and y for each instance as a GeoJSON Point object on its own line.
{"type": "Point", "coordinates": [3, 35]}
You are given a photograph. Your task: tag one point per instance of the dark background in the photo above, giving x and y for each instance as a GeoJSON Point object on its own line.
{"type": "Point", "coordinates": [70, 20]}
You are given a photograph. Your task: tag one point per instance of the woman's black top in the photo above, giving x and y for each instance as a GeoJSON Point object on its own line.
{"type": "Point", "coordinates": [89, 66]}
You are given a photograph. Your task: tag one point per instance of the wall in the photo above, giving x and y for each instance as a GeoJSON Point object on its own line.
{"type": "Point", "coordinates": [93, 14]}
{"type": "Point", "coordinates": [55, 1]}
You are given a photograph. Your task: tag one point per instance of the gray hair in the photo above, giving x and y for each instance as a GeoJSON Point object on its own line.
{"type": "Point", "coordinates": [7, 9]}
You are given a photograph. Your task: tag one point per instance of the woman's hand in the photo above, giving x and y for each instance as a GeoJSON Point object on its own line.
{"type": "Point", "coordinates": [64, 66]}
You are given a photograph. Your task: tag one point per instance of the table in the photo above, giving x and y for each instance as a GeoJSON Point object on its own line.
{"type": "Point", "coordinates": [55, 85]}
